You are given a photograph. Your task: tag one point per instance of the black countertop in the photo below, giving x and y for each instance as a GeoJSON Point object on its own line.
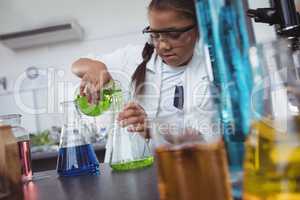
{"type": "Point", "coordinates": [131, 185]}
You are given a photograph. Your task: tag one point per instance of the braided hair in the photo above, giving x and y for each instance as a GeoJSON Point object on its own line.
{"type": "Point", "coordinates": [187, 9]}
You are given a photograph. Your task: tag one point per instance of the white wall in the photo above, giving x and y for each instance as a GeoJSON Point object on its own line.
{"type": "Point", "coordinates": [107, 25]}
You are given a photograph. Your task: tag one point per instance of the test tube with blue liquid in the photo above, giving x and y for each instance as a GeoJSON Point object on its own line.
{"type": "Point", "coordinates": [223, 27]}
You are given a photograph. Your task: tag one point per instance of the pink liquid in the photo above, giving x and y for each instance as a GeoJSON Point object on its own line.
{"type": "Point", "coordinates": [25, 157]}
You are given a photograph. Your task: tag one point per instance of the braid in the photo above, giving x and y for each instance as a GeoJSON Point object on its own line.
{"type": "Point", "coordinates": [139, 75]}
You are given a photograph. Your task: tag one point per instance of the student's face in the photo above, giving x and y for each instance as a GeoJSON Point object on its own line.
{"type": "Point", "coordinates": [176, 49]}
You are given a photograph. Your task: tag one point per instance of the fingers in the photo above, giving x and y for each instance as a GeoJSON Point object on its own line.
{"type": "Point", "coordinates": [131, 113]}
{"type": "Point", "coordinates": [82, 87]}
{"type": "Point", "coordinates": [141, 129]}
{"type": "Point", "coordinates": [91, 85]}
{"type": "Point", "coordinates": [131, 109]}
{"type": "Point", "coordinates": [136, 128]}
{"type": "Point", "coordinates": [133, 116]}
{"type": "Point", "coordinates": [133, 105]}
{"type": "Point", "coordinates": [133, 121]}
{"type": "Point", "coordinates": [92, 93]}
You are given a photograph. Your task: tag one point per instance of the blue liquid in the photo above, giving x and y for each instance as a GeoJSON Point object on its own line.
{"type": "Point", "coordinates": [223, 27]}
{"type": "Point", "coordinates": [78, 160]}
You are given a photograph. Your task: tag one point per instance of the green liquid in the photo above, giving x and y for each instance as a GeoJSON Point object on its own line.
{"type": "Point", "coordinates": [96, 109]}
{"type": "Point", "coordinates": [137, 164]}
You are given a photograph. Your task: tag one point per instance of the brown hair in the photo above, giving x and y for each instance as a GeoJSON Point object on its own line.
{"type": "Point", "coordinates": [187, 9]}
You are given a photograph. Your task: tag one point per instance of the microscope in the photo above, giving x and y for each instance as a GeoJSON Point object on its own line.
{"type": "Point", "coordinates": [284, 16]}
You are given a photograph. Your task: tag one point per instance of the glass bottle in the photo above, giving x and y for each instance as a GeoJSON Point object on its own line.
{"type": "Point", "coordinates": [272, 160]}
{"type": "Point", "coordinates": [23, 140]}
{"type": "Point", "coordinates": [76, 155]}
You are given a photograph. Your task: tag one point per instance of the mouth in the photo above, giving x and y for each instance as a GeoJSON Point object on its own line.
{"type": "Point", "coordinates": [168, 56]}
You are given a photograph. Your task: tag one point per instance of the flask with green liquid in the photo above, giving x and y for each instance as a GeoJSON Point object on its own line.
{"type": "Point", "coordinates": [104, 102]}
{"type": "Point", "coordinates": [126, 150]}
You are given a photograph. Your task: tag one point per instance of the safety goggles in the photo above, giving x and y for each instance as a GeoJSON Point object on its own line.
{"type": "Point", "coordinates": [172, 36]}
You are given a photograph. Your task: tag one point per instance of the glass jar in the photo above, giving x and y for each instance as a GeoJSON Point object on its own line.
{"type": "Point", "coordinates": [23, 140]}
{"type": "Point", "coordinates": [272, 160]}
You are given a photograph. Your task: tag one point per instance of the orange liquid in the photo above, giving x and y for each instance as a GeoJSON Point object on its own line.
{"type": "Point", "coordinates": [192, 172]}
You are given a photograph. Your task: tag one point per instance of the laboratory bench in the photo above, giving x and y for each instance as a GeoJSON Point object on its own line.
{"type": "Point", "coordinates": [109, 185]}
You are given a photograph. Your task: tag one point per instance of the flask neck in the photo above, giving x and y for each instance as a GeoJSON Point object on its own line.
{"type": "Point", "coordinates": [71, 116]}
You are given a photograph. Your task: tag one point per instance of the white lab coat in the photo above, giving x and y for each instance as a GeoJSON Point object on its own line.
{"type": "Point", "coordinates": [198, 98]}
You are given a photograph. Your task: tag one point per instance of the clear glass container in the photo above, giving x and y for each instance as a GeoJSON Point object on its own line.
{"type": "Point", "coordinates": [23, 140]}
{"type": "Point", "coordinates": [76, 154]}
{"type": "Point", "coordinates": [272, 160]}
{"type": "Point", "coordinates": [126, 150]}
{"type": "Point", "coordinates": [96, 106]}
{"type": "Point", "coordinates": [191, 163]}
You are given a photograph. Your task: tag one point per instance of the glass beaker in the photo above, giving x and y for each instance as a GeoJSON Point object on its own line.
{"type": "Point", "coordinates": [76, 155]}
{"type": "Point", "coordinates": [4, 182]}
{"type": "Point", "coordinates": [190, 164]}
{"type": "Point", "coordinates": [23, 140]}
{"type": "Point", "coordinates": [126, 150]}
{"type": "Point", "coordinates": [272, 160]}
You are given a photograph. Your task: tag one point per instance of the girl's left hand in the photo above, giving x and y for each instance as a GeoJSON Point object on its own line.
{"type": "Point", "coordinates": [133, 116]}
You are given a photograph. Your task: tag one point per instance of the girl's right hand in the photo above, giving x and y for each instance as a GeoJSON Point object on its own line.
{"type": "Point", "coordinates": [94, 75]}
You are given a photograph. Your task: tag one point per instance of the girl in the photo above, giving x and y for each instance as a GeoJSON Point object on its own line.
{"type": "Point", "coordinates": [169, 78]}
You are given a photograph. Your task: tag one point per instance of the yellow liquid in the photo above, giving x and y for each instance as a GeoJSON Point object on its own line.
{"type": "Point", "coordinates": [272, 162]}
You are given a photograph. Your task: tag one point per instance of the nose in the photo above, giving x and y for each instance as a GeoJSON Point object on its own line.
{"type": "Point", "coordinates": [164, 45]}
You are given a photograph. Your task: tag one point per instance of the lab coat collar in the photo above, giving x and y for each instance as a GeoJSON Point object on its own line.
{"type": "Point", "coordinates": [154, 62]}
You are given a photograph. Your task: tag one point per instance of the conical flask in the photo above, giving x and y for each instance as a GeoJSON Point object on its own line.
{"type": "Point", "coordinates": [272, 160]}
{"type": "Point", "coordinates": [95, 106]}
{"type": "Point", "coordinates": [76, 155]}
{"type": "Point", "coordinates": [126, 150]}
